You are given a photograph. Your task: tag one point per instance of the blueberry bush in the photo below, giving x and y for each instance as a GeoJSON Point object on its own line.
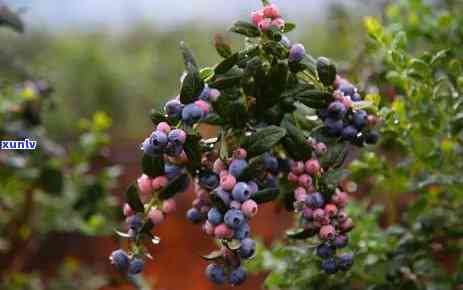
{"type": "Point", "coordinates": [283, 125]}
{"type": "Point", "coordinates": [411, 238]}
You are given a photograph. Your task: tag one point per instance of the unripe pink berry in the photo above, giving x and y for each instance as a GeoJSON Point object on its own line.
{"type": "Point", "coordinates": [312, 167]}
{"type": "Point", "coordinates": [331, 209]}
{"type": "Point", "coordinates": [223, 232]}
{"type": "Point", "coordinates": [340, 199]}
{"type": "Point", "coordinates": [271, 11]}
{"type": "Point", "coordinates": [300, 194]}
{"type": "Point", "coordinates": [279, 23]}
{"type": "Point", "coordinates": [218, 166]}
{"type": "Point", "coordinates": [342, 216]}
{"type": "Point", "coordinates": [327, 232]}
{"type": "Point", "coordinates": [169, 205]}
{"type": "Point", "coordinates": [127, 210]}
{"type": "Point", "coordinates": [249, 208]}
{"type": "Point", "coordinates": [257, 17]}
{"type": "Point", "coordinates": [297, 167]}
{"type": "Point", "coordinates": [235, 204]}
{"type": "Point", "coordinates": [307, 213]}
{"type": "Point", "coordinates": [223, 173]}
{"type": "Point", "coordinates": [320, 148]}
{"type": "Point", "coordinates": [164, 127]}
{"type": "Point", "coordinates": [159, 182]}
{"type": "Point", "coordinates": [202, 194]}
{"type": "Point", "coordinates": [325, 221]}
{"type": "Point", "coordinates": [305, 180]}
{"type": "Point", "coordinates": [318, 214]}
{"type": "Point", "coordinates": [208, 228]}
{"type": "Point", "coordinates": [293, 178]}
{"type": "Point", "coordinates": [156, 216]}
{"type": "Point", "coordinates": [145, 185]}
{"type": "Point", "coordinates": [337, 81]}
{"type": "Point", "coordinates": [346, 226]}
{"type": "Point", "coordinates": [214, 94]}
{"type": "Point", "coordinates": [203, 105]}
{"type": "Point", "coordinates": [265, 24]}
{"type": "Point", "coordinates": [240, 153]}
{"type": "Point", "coordinates": [228, 182]}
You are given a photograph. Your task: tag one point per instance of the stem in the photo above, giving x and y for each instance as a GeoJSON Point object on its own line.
{"type": "Point", "coordinates": [265, 2]}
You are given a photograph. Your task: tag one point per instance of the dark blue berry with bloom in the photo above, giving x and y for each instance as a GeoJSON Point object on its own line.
{"type": "Point", "coordinates": [136, 266]}
{"type": "Point", "coordinates": [120, 260]}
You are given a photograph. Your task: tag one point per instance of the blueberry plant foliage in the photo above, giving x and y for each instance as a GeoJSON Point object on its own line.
{"type": "Point", "coordinates": [414, 70]}
{"type": "Point", "coordinates": [284, 122]}
{"type": "Point", "coordinates": [38, 188]}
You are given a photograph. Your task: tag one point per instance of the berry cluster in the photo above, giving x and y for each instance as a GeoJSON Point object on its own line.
{"type": "Point", "coordinates": [224, 203]}
{"type": "Point", "coordinates": [321, 214]}
{"type": "Point", "coordinates": [267, 17]}
{"type": "Point", "coordinates": [341, 119]}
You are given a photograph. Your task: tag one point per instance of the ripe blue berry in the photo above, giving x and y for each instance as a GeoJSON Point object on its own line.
{"type": "Point", "coordinates": [209, 180]}
{"type": "Point", "coordinates": [205, 93]}
{"type": "Point", "coordinates": [120, 260]}
{"type": "Point", "coordinates": [241, 192]}
{"type": "Point", "coordinates": [242, 232]}
{"type": "Point", "coordinates": [214, 216]}
{"type": "Point", "coordinates": [315, 200]}
{"type": "Point", "coordinates": [135, 222]}
{"type": "Point", "coordinates": [247, 249]}
{"type": "Point", "coordinates": [223, 195]}
{"type": "Point", "coordinates": [337, 110]}
{"type": "Point", "coordinates": [174, 109]}
{"type": "Point", "coordinates": [356, 97]}
{"type": "Point", "coordinates": [215, 273]}
{"type": "Point", "coordinates": [347, 89]}
{"type": "Point", "coordinates": [234, 218]}
{"type": "Point", "coordinates": [237, 276]}
{"type": "Point", "coordinates": [334, 127]}
{"type": "Point", "coordinates": [177, 136]}
{"type": "Point", "coordinates": [193, 215]}
{"type": "Point", "coordinates": [237, 166]}
{"type": "Point", "coordinates": [173, 149]}
{"type": "Point", "coordinates": [296, 53]}
{"type": "Point", "coordinates": [329, 266]}
{"type": "Point", "coordinates": [159, 140]}
{"type": "Point", "coordinates": [341, 241]}
{"type": "Point", "coordinates": [172, 170]}
{"type": "Point", "coordinates": [136, 266]}
{"type": "Point", "coordinates": [192, 114]}
{"type": "Point", "coordinates": [325, 250]}
{"type": "Point", "coordinates": [271, 163]}
{"type": "Point", "coordinates": [371, 137]}
{"type": "Point", "coordinates": [360, 119]}
{"type": "Point", "coordinates": [345, 261]}
{"type": "Point", "coordinates": [349, 133]}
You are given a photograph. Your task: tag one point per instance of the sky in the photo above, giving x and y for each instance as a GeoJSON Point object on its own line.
{"type": "Point", "coordinates": [119, 14]}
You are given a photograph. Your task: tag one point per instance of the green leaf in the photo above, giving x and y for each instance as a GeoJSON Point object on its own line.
{"type": "Point", "coordinates": [265, 195]}
{"type": "Point", "coordinates": [177, 185]}
{"type": "Point", "coordinates": [263, 140]}
{"type": "Point", "coordinates": [213, 119]}
{"type": "Point", "coordinates": [132, 198]}
{"type": "Point", "coordinates": [274, 33]}
{"type": "Point", "coordinates": [295, 141]}
{"type": "Point", "coordinates": [245, 28]}
{"type": "Point", "coordinates": [188, 58]}
{"type": "Point", "coordinates": [255, 168]}
{"type": "Point", "coordinates": [215, 255]}
{"type": "Point", "coordinates": [152, 166]}
{"type": "Point", "coordinates": [157, 117]}
{"type": "Point", "coordinates": [226, 81]}
{"type": "Point", "coordinates": [51, 180]}
{"type": "Point", "coordinates": [227, 64]}
{"type": "Point", "coordinates": [326, 71]}
{"type": "Point", "coordinates": [192, 149]}
{"type": "Point", "coordinates": [289, 26]}
{"type": "Point", "coordinates": [314, 98]}
{"type": "Point", "coordinates": [300, 234]}
{"type": "Point", "coordinates": [222, 46]}
{"type": "Point", "coordinates": [335, 155]}
{"type": "Point", "coordinates": [278, 77]}
{"type": "Point", "coordinates": [332, 178]}
{"type": "Point", "coordinates": [10, 19]}
{"type": "Point", "coordinates": [192, 87]}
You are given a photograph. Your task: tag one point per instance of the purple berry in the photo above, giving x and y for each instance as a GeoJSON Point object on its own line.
{"type": "Point", "coordinates": [223, 195]}
{"type": "Point", "coordinates": [325, 250]}
{"type": "Point", "coordinates": [271, 163]}
{"type": "Point", "coordinates": [315, 200]}
{"type": "Point", "coordinates": [371, 137]}
{"type": "Point", "coordinates": [174, 109]}
{"type": "Point", "coordinates": [356, 97]}
{"type": "Point", "coordinates": [334, 127]}
{"type": "Point", "coordinates": [329, 266]}
{"type": "Point", "coordinates": [360, 119]}
{"type": "Point", "coordinates": [234, 218]}
{"type": "Point", "coordinates": [172, 170]}
{"type": "Point", "coordinates": [237, 166]}
{"type": "Point", "coordinates": [215, 273]}
{"type": "Point", "coordinates": [347, 89]}
{"type": "Point", "coordinates": [192, 114]}
{"type": "Point", "coordinates": [337, 110]}
{"type": "Point", "coordinates": [193, 215]}
{"type": "Point", "coordinates": [349, 133]}
{"type": "Point", "coordinates": [297, 52]}
{"type": "Point", "coordinates": [341, 241]}
{"type": "Point", "coordinates": [135, 222]}
{"type": "Point", "coordinates": [242, 232]}
{"type": "Point", "coordinates": [209, 180]}
{"type": "Point", "coordinates": [345, 261]}
{"type": "Point", "coordinates": [177, 136]}
{"type": "Point", "coordinates": [241, 192]}
{"type": "Point", "coordinates": [247, 249]}
{"type": "Point", "coordinates": [173, 149]}
{"type": "Point", "coordinates": [136, 266]}
{"type": "Point", "coordinates": [214, 216]}
{"type": "Point", "coordinates": [205, 93]}
{"type": "Point", "coordinates": [120, 260]}
{"type": "Point", "coordinates": [237, 276]}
